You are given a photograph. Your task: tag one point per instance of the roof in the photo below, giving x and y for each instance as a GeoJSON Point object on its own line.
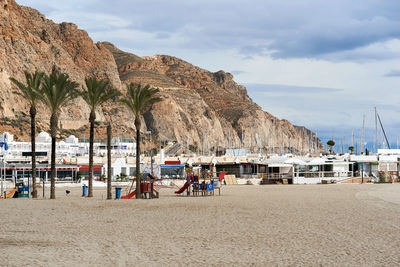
{"type": "Point", "coordinates": [389, 158]}
{"type": "Point", "coordinates": [364, 158]}
{"type": "Point", "coordinates": [295, 161]}
{"type": "Point", "coordinates": [279, 165]}
{"type": "Point", "coordinates": [317, 161]}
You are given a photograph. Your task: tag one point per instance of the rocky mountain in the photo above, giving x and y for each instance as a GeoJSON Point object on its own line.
{"type": "Point", "coordinates": [200, 108]}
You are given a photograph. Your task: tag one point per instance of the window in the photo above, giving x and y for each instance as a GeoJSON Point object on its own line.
{"type": "Point", "coordinates": [313, 168]}
{"type": "Point", "coordinates": [172, 173]}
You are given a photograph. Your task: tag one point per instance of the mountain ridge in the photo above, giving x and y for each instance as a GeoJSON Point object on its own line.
{"type": "Point", "coordinates": [200, 108]}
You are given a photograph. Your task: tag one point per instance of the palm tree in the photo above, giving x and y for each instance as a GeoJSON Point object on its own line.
{"type": "Point", "coordinates": [95, 95]}
{"type": "Point", "coordinates": [331, 144]}
{"type": "Point", "coordinates": [57, 92]}
{"type": "Point", "coordinates": [138, 100]}
{"type": "Point", "coordinates": [30, 93]}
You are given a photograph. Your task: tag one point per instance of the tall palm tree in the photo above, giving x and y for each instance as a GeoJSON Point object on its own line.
{"type": "Point", "coordinates": [95, 94]}
{"type": "Point", "coordinates": [30, 92]}
{"type": "Point", "coordinates": [57, 92]}
{"type": "Point", "coordinates": [138, 100]}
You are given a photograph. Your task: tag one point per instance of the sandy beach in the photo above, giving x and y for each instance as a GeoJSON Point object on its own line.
{"type": "Point", "coordinates": [246, 225]}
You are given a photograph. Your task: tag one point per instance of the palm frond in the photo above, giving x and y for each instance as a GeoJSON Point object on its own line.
{"type": "Point", "coordinates": [97, 92]}
{"type": "Point", "coordinates": [140, 98]}
{"type": "Point", "coordinates": [57, 91]}
{"type": "Point", "coordinates": [30, 91]}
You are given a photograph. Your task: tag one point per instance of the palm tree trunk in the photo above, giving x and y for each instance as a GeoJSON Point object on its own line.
{"type": "Point", "coordinates": [53, 131]}
{"type": "Point", "coordinates": [109, 196]}
{"type": "Point", "coordinates": [91, 140]}
{"type": "Point", "coordinates": [33, 149]}
{"type": "Point", "coordinates": [137, 125]}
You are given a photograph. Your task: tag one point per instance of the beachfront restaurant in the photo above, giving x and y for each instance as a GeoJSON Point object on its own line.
{"type": "Point", "coordinates": [15, 172]}
{"type": "Point", "coordinates": [172, 170]}
{"type": "Point", "coordinates": [84, 170]}
{"type": "Point", "coordinates": [251, 167]}
{"type": "Point", "coordinates": [229, 165]}
{"type": "Point", "coordinates": [318, 170]}
{"type": "Point", "coordinates": [368, 164]}
{"type": "Point", "coordinates": [278, 171]}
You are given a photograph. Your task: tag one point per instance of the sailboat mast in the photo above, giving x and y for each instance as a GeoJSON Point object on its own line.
{"type": "Point", "coordinates": [344, 144]}
{"type": "Point", "coordinates": [376, 131]}
{"type": "Point", "coordinates": [383, 130]}
{"type": "Point", "coordinates": [362, 137]}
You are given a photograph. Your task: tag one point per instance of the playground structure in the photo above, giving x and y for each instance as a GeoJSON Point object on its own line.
{"type": "Point", "coordinates": [9, 194]}
{"type": "Point", "coordinates": [147, 189]}
{"type": "Point", "coordinates": [193, 186]}
{"type": "Point", "coordinates": [18, 192]}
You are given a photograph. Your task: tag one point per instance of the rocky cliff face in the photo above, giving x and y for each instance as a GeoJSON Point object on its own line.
{"type": "Point", "coordinates": [204, 109]}
{"type": "Point", "coordinates": [207, 109]}
{"type": "Point", "coordinates": [29, 41]}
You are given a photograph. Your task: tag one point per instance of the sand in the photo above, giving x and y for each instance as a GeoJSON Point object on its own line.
{"type": "Point", "coordinates": [247, 225]}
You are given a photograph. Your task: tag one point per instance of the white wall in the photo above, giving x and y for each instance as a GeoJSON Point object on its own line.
{"type": "Point", "coordinates": [317, 180]}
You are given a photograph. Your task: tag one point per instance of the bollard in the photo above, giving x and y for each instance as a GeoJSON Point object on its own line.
{"type": "Point", "coordinates": [117, 192]}
{"type": "Point", "coordinates": [84, 190]}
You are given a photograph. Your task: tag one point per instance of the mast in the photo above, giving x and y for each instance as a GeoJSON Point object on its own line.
{"type": "Point", "coordinates": [344, 144]}
{"type": "Point", "coordinates": [376, 131]}
{"type": "Point", "coordinates": [383, 130]}
{"type": "Point", "coordinates": [362, 135]}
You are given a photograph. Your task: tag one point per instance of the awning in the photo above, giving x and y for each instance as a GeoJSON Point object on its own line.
{"type": "Point", "coordinates": [173, 166]}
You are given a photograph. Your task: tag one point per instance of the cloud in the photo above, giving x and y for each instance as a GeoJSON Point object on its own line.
{"type": "Point", "coordinates": [289, 89]}
{"type": "Point", "coordinates": [393, 73]}
{"type": "Point", "coordinates": [237, 72]}
{"type": "Point", "coordinates": [281, 29]}
{"type": "Point", "coordinates": [326, 110]}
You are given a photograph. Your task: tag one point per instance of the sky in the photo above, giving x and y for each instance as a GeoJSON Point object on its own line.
{"type": "Point", "coordinates": [321, 64]}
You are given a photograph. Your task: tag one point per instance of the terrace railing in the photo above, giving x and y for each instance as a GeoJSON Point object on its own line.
{"type": "Point", "coordinates": [324, 174]}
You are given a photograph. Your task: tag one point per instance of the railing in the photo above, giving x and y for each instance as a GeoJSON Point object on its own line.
{"type": "Point", "coordinates": [274, 176]}
{"type": "Point", "coordinates": [327, 174]}
{"type": "Point", "coordinates": [253, 176]}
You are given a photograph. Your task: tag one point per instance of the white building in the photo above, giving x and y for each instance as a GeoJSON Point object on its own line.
{"type": "Point", "coordinates": [70, 147]}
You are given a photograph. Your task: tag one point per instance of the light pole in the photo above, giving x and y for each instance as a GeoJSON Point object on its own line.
{"type": "Point", "coordinates": [4, 143]}
{"type": "Point", "coordinates": [2, 177]}
{"type": "Point", "coordinates": [151, 153]}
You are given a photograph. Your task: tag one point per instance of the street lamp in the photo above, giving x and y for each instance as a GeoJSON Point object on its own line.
{"type": "Point", "coordinates": [2, 177]}
{"type": "Point", "coordinates": [4, 143]}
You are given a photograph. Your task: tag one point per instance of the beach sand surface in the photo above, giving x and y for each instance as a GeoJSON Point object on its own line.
{"type": "Point", "coordinates": [284, 225]}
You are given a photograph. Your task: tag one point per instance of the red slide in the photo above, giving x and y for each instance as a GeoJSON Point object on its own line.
{"type": "Point", "coordinates": [131, 195]}
{"type": "Point", "coordinates": [186, 185]}
{"type": "Point", "coordinates": [221, 176]}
